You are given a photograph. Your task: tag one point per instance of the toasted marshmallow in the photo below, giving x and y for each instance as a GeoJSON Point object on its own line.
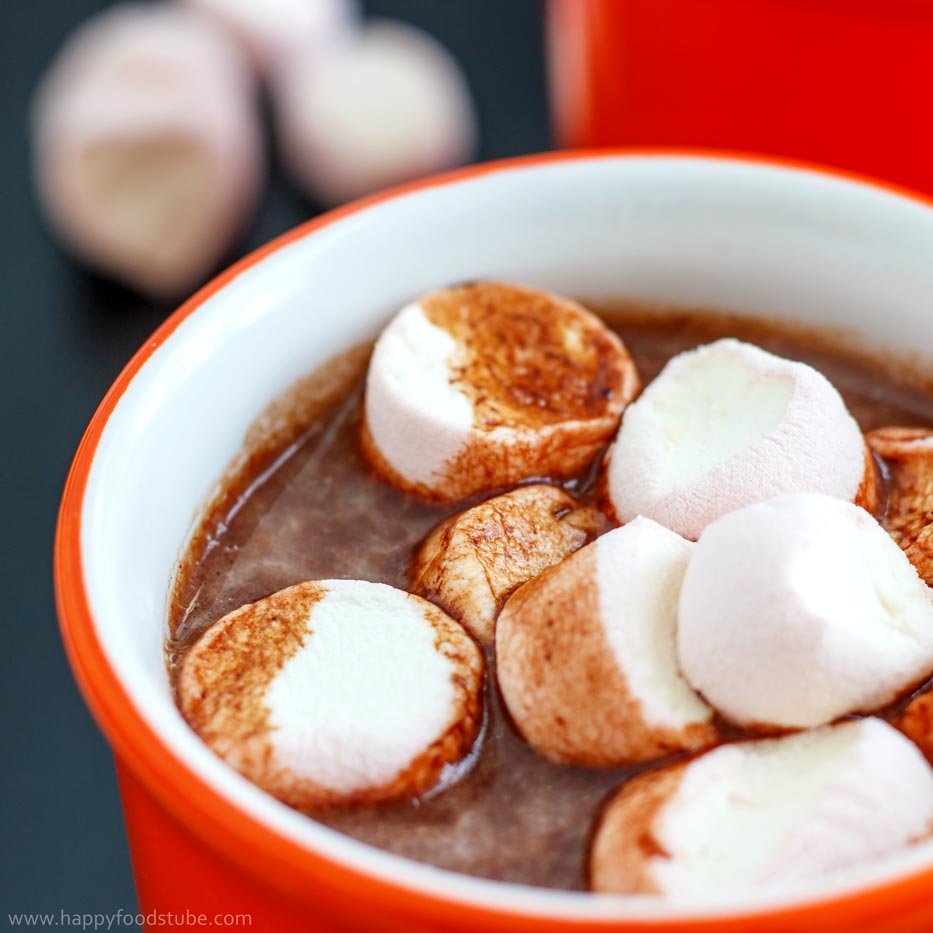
{"type": "Point", "coordinates": [147, 145]}
{"type": "Point", "coordinates": [272, 31]}
{"type": "Point", "coordinates": [726, 425]}
{"type": "Point", "coordinates": [386, 106]}
{"type": "Point", "coordinates": [775, 812]}
{"type": "Point", "coordinates": [482, 386]}
{"type": "Point", "coordinates": [336, 691]}
{"type": "Point", "coordinates": [471, 563]}
{"type": "Point", "coordinates": [585, 653]}
{"type": "Point", "coordinates": [908, 517]}
{"type": "Point", "coordinates": [916, 722]}
{"type": "Point", "coordinates": [799, 610]}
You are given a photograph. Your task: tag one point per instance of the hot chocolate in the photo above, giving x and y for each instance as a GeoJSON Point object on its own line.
{"type": "Point", "coordinates": [309, 506]}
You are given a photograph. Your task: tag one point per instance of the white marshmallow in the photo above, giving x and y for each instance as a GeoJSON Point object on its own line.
{"type": "Point", "coordinates": [386, 106]}
{"type": "Point", "coordinates": [147, 145]}
{"type": "Point", "coordinates": [272, 31]}
{"type": "Point", "coordinates": [586, 659]}
{"type": "Point", "coordinates": [472, 562]}
{"type": "Point", "coordinates": [417, 416]}
{"type": "Point", "coordinates": [336, 691]}
{"type": "Point", "coordinates": [485, 385]}
{"type": "Point", "coordinates": [908, 456]}
{"type": "Point", "coordinates": [726, 425]}
{"type": "Point", "coordinates": [774, 812]}
{"type": "Point", "coordinates": [799, 610]}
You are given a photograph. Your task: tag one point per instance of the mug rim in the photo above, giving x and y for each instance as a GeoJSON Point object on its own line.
{"type": "Point", "coordinates": [282, 862]}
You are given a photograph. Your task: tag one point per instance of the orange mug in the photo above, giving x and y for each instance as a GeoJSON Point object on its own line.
{"type": "Point", "coordinates": [743, 235]}
{"type": "Point", "coordinates": [842, 82]}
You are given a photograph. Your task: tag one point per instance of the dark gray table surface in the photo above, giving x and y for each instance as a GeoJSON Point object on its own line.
{"type": "Point", "coordinates": [66, 336]}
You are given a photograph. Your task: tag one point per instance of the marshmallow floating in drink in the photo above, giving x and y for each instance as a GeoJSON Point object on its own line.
{"type": "Point", "coordinates": [586, 657]}
{"type": "Point", "coordinates": [336, 691]}
{"type": "Point", "coordinates": [908, 455]}
{"type": "Point", "coordinates": [726, 425]}
{"type": "Point", "coordinates": [766, 813]}
{"type": "Point", "coordinates": [482, 386]}
{"type": "Point", "coordinates": [799, 610]}
{"type": "Point", "coordinates": [148, 154]}
{"type": "Point", "coordinates": [473, 561]}
{"type": "Point", "coordinates": [915, 720]}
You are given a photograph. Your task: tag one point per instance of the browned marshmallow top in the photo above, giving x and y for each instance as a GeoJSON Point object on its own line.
{"type": "Point", "coordinates": [482, 386]}
{"type": "Point", "coordinates": [585, 653]}
{"type": "Point", "coordinates": [528, 358]}
{"type": "Point", "coordinates": [625, 841]}
{"type": "Point", "coordinates": [336, 691]}
{"type": "Point", "coordinates": [916, 722]}
{"type": "Point", "coordinates": [472, 562]}
{"type": "Point", "coordinates": [908, 518]}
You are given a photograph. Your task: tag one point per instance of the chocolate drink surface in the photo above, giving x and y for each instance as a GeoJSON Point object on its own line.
{"type": "Point", "coordinates": [306, 506]}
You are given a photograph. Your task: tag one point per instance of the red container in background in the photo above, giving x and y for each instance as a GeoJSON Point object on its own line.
{"type": "Point", "coordinates": [844, 82]}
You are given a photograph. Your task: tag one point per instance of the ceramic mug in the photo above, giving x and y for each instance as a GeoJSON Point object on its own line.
{"type": "Point", "coordinates": [738, 234]}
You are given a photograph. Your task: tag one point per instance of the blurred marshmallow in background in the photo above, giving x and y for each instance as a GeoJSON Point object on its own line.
{"type": "Point", "coordinates": [389, 105]}
{"type": "Point", "coordinates": [270, 31]}
{"type": "Point", "coordinates": [148, 155]}
{"type": "Point", "coordinates": [148, 144]}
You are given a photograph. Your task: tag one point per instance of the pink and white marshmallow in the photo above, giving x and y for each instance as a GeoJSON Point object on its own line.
{"type": "Point", "coordinates": [800, 610]}
{"type": "Point", "coordinates": [726, 425]}
{"type": "Point", "coordinates": [773, 813]}
{"type": "Point", "coordinates": [386, 105]}
{"type": "Point", "coordinates": [148, 154]}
